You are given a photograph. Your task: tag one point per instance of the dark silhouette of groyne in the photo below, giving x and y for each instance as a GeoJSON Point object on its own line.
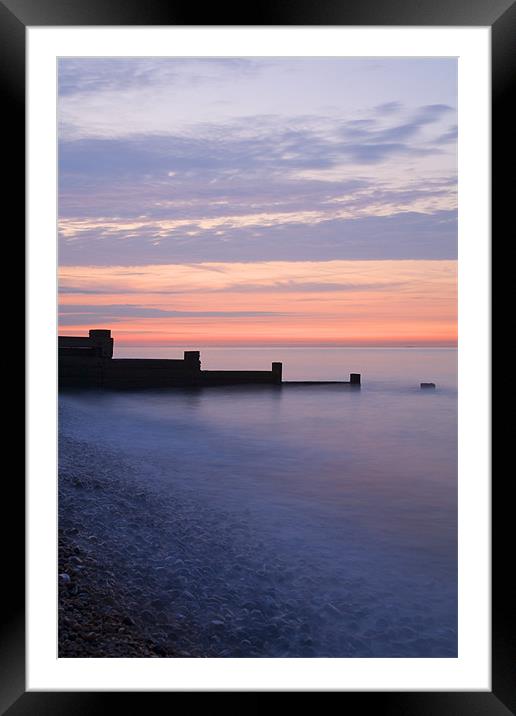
{"type": "Point", "coordinates": [87, 362]}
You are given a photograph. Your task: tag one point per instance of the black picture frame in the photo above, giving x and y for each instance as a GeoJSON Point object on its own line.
{"type": "Point", "coordinates": [500, 15]}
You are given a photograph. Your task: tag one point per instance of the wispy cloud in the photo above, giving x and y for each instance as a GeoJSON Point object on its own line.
{"type": "Point", "coordinates": [104, 74]}
{"type": "Point", "coordinates": [268, 287]}
{"type": "Point", "coordinates": [118, 311]}
{"type": "Point", "coordinates": [197, 279]}
{"type": "Point", "coordinates": [213, 190]}
{"type": "Point", "coordinates": [292, 236]}
{"type": "Point", "coordinates": [298, 302]}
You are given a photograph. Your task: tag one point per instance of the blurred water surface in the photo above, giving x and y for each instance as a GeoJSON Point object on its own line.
{"type": "Point", "coordinates": [310, 521]}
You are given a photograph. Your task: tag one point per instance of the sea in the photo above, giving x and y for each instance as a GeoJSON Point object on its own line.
{"type": "Point", "coordinates": [307, 521]}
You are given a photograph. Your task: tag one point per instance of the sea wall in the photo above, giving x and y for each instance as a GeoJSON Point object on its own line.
{"type": "Point", "coordinates": [87, 362]}
{"type": "Point", "coordinates": [139, 374]}
{"type": "Point", "coordinates": [126, 373]}
{"type": "Point", "coordinates": [85, 371]}
{"type": "Point", "coordinates": [239, 377]}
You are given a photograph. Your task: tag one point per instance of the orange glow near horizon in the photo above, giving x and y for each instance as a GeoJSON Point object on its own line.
{"type": "Point", "coordinates": [265, 303]}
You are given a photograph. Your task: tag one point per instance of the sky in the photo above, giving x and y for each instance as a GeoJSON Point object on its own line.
{"type": "Point", "coordinates": [258, 201]}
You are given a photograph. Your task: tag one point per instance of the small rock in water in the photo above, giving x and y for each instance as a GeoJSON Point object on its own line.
{"type": "Point", "coordinates": [428, 386]}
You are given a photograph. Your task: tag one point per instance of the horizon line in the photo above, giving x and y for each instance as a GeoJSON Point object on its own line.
{"type": "Point", "coordinates": [290, 345]}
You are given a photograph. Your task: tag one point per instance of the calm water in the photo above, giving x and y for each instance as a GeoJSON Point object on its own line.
{"type": "Point", "coordinates": [314, 521]}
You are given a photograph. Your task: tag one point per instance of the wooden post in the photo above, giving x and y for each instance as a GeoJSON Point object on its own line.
{"type": "Point", "coordinates": [277, 372]}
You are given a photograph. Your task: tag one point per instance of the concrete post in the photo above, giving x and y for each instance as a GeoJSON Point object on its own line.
{"type": "Point", "coordinates": [193, 360]}
{"type": "Point", "coordinates": [101, 338]}
{"type": "Point", "coordinates": [277, 372]}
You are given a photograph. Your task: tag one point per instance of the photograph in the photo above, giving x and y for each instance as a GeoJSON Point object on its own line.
{"type": "Point", "coordinates": [257, 357]}
{"type": "Point", "coordinates": [258, 365]}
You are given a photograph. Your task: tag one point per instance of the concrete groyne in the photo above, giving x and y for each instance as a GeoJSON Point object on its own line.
{"type": "Point", "coordinates": [87, 362]}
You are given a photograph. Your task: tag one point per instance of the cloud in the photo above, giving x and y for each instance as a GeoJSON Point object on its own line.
{"type": "Point", "coordinates": [370, 142]}
{"type": "Point", "coordinates": [450, 136]}
{"type": "Point", "coordinates": [78, 289]}
{"type": "Point", "coordinates": [370, 153]}
{"type": "Point", "coordinates": [224, 172]}
{"type": "Point", "coordinates": [71, 314]}
{"type": "Point", "coordinates": [100, 74]}
{"type": "Point", "coordinates": [431, 112]}
{"type": "Point", "coordinates": [388, 108]}
{"type": "Point", "coordinates": [288, 286]}
{"type": "Point", "coordinates": [310, 302]}
{"type": "Point", "coordinates": [309, 287]}
{"type": "Point", "coordinates": [270, 146]}
{"type": "Point", "coordinates": [168, 160]}
{"type": "Point", "coordinates": [406, 235]}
